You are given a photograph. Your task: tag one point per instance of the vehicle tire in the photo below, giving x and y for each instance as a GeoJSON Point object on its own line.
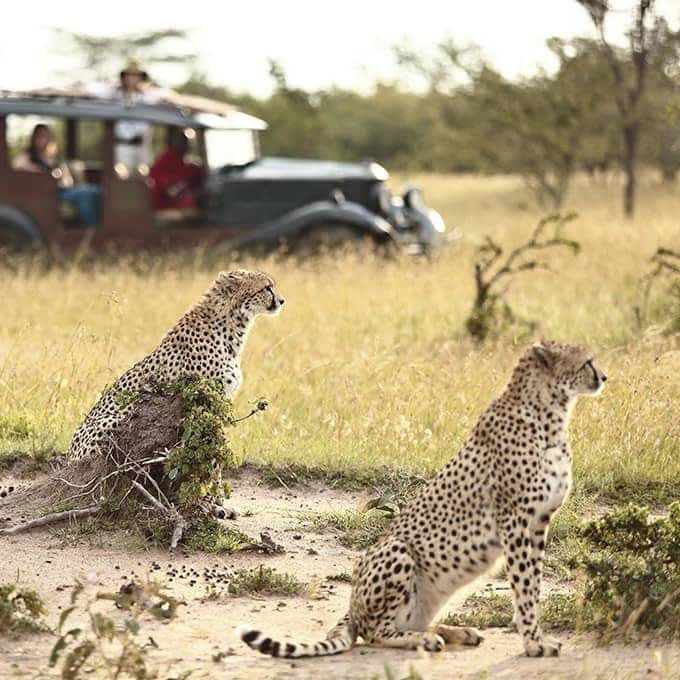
{"type": "Point", "coordinates": [331, 236]}
{"type": "Point", "coordinates": [18, 232]}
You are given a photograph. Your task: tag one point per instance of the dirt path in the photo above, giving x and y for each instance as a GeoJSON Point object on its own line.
{"type": "Point", "coordinates": [46, 561]}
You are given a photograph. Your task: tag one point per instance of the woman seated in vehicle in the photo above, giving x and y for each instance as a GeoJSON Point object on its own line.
{"type": "Point", "coordinates": [176, 184]}
{"type": "Point", "coordinates": [41, 156]}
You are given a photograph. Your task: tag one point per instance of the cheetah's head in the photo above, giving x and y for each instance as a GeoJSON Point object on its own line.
{"type": "Point", "coordinates": [570, 368]}
{"type": "Point", "coordinates": [251, 291]}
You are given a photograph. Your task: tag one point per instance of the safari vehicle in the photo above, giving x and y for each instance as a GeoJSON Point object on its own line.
{"type": "Point", "coordinates": [247, 200]}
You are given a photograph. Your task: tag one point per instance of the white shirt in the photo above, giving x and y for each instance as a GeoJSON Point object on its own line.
{"type": "Point", "coordinates": [128, 129]}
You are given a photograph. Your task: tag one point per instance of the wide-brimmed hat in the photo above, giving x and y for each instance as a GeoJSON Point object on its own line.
{"type": "Point", "coordinates": [133, 67]}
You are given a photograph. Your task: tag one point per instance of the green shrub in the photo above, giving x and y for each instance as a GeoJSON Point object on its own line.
{"type": "Point", "coordinates": [631, 567]}
{"type": "Point", "coordinates": [21, 610]}
{"type": "Point", "coordinates": [207, 534]}
{"type": "Point", "coordinates": [106, 643]}
{"type": "Point", "coordinates": [203, 452]}
{"type": "Point", "coordinates": [264, 581]}
{"type": "Point", "coordinates": [355, 529]}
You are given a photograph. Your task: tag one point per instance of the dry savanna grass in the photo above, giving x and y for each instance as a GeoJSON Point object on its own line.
{"type": "Point", "coordinates": [369, 364]}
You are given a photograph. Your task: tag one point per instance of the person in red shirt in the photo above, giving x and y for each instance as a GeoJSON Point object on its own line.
{"type": "Point", "coordinates": [175, 183]}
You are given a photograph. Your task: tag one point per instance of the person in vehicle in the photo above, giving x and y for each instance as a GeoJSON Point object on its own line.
{"type": "Point", "coordinates": [133, 137]}
{"type": "Point", "coordinates": [175, 182]}
{"type": "Point", "coordinates": [41, 156]}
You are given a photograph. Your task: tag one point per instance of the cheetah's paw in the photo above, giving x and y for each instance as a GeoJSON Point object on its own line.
{"type": "Point", "coordinates": [457, 635]}
{"type": "Point", "coordinates": [546, 647]}
{"type": "Point", "coordinates": [433, 642]}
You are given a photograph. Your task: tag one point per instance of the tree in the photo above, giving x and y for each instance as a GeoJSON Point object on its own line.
{"type": "Point", "coordinates": [98, 57]}
{"type": "Point", "coordinates": [650, 44]}
{"type": "Point", "coordinates": [539, 126]}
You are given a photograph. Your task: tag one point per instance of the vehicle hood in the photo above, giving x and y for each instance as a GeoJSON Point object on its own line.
{"type": "Point", "coordinates": [308, 169]}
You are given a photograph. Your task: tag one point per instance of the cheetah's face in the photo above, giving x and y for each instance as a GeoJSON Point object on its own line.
{"type": "Point", "coordinates": [264, 301]}
{"type": "Point", "coordinates": [252, 292]}
{"type": "Point", "coordinates": [571, 367]}
{"type": "Point", "coordinates": [587, 379]}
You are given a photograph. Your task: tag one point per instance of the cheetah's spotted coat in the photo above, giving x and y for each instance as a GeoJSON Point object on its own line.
{"type": "Point", "coordinates": [495, 497]}
{"type": "Point", "coordinates": [206, 342]}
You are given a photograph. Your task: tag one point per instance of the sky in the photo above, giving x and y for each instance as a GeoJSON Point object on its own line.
{"type": "Point", "coordinates": [319, 43]}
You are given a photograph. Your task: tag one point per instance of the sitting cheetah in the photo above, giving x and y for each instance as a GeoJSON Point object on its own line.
{"type": "Point", "coordinates": [495, 497]}
{"type": "Point", "coordinates": [207, 341]}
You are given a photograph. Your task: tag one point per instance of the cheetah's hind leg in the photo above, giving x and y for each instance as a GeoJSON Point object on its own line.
{"type": "Point", "coordinates": [388, 589]}
{"type": "Point", "coordinates": [458, 635]}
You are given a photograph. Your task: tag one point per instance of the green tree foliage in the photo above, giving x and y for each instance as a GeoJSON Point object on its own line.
{"type": "Point", "coordinates": [640, 74]}
{"type": "Point", "coordinates": [468, 118]}
{"type": "Point", "coordinates": [548, 126]}
{"type": "Point", "coordinates": [100, 57]}
{"type": "Point", "coordinates": [464, 117]}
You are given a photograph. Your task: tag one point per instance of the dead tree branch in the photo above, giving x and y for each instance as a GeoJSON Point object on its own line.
{"type": "Point", "coordinates": [490, 303]}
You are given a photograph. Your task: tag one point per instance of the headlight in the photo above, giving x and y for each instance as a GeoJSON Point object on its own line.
{"type": "Point", "coordinates": [382, 199]}
{"type": "Point", "coordinates": [437, 221]}
{"type": "Point", "coordinates": [413, 198]}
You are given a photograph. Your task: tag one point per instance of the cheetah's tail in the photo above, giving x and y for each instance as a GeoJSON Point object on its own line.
{"type": "Point", "coordinates": [260, 642]}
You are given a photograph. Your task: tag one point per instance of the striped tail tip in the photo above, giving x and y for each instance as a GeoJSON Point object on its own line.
{"type": "Point", "coordinates": [258, 641]}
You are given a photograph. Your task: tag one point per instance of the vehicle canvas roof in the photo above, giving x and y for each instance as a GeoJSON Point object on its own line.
{"type": "Point", "coordinates": [176, 109]}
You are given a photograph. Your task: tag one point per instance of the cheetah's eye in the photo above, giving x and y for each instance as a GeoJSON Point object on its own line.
{"type": "Point", "coordinates": [589, 367]}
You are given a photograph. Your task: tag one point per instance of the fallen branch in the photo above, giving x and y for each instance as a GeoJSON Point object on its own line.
{"type": "Point", "coordinates": [52, 518]}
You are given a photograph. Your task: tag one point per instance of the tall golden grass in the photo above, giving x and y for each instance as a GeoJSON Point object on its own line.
{"type": "Point", "coordinates": [369, 363]}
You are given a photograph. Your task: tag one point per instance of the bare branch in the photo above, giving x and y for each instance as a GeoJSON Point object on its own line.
{"type": "Point", "coordinates": [52, 518]}
{"type": "Point", "coordinates": [487, 298]}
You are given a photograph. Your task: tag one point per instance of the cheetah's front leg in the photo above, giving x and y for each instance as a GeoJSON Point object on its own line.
{"type": "Point", "coordinates": [525, 580]}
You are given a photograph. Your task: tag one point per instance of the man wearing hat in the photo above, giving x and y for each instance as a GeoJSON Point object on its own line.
{"type": "Point", "coordinates": [133, 138]}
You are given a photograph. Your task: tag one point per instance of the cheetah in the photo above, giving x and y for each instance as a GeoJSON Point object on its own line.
{"type": "Point", "coordinates": [496, 497]}
{"type": "Point", "coordinates": [206, 342]}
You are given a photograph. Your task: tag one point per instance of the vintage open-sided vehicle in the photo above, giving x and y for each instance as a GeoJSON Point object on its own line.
{"type": "Point", "coordinates": [248, 200]}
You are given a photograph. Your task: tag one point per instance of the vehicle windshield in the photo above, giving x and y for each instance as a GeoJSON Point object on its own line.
{"type": "Point", "coordinates": [230, 147]}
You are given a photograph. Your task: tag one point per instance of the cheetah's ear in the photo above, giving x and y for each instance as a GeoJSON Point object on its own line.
{"type": "Point", "coordinates": [229, 282]}
{"type": "Point", "coordinates": [545, 356]}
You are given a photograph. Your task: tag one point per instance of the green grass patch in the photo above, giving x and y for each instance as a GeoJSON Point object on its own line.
{"type": "Point", "coordinates": [400, 483]}
{"type": "Point", "coordinates": [559, 611]}
{"type": "Point", "coordinates": [265, 581]}
{"type": "Point", "coordinates": [625, 485]}
{"type": "Point", "coordinates": [354, 529]}
{"type": "Point", "coordinates": [16, 427]}
{"type": "Point", "coordinates": [21, 610]}
{"type": "Point", "coordinates": [208, 535]}
{"type": "Point", "coordinates": [340, 577]}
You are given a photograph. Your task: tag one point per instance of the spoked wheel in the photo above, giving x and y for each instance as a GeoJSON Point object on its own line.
{"type": "Point", "coordinates": [13, 242]}
{"type": "Point", "coordinates": [17, 235]}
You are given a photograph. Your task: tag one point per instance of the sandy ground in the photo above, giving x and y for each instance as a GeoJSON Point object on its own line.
{"type": "Point", "coordinates": [205, 626]}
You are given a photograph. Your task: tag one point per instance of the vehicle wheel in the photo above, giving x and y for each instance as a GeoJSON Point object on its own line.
{"type": "Point", "coordinates": [18, 233]}
{"type": "Point", "coordinates": [327, 237]}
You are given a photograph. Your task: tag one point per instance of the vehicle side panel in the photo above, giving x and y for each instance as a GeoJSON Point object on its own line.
{"type": "Point", "coordinates": [256, 202]}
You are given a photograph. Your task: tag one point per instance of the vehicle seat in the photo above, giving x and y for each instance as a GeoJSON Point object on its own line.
{"type": "Point", "coordinates": [171, 216]}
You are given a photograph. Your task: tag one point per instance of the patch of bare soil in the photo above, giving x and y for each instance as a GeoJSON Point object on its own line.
{"type": "Point", "coordinates": [50, 561]}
